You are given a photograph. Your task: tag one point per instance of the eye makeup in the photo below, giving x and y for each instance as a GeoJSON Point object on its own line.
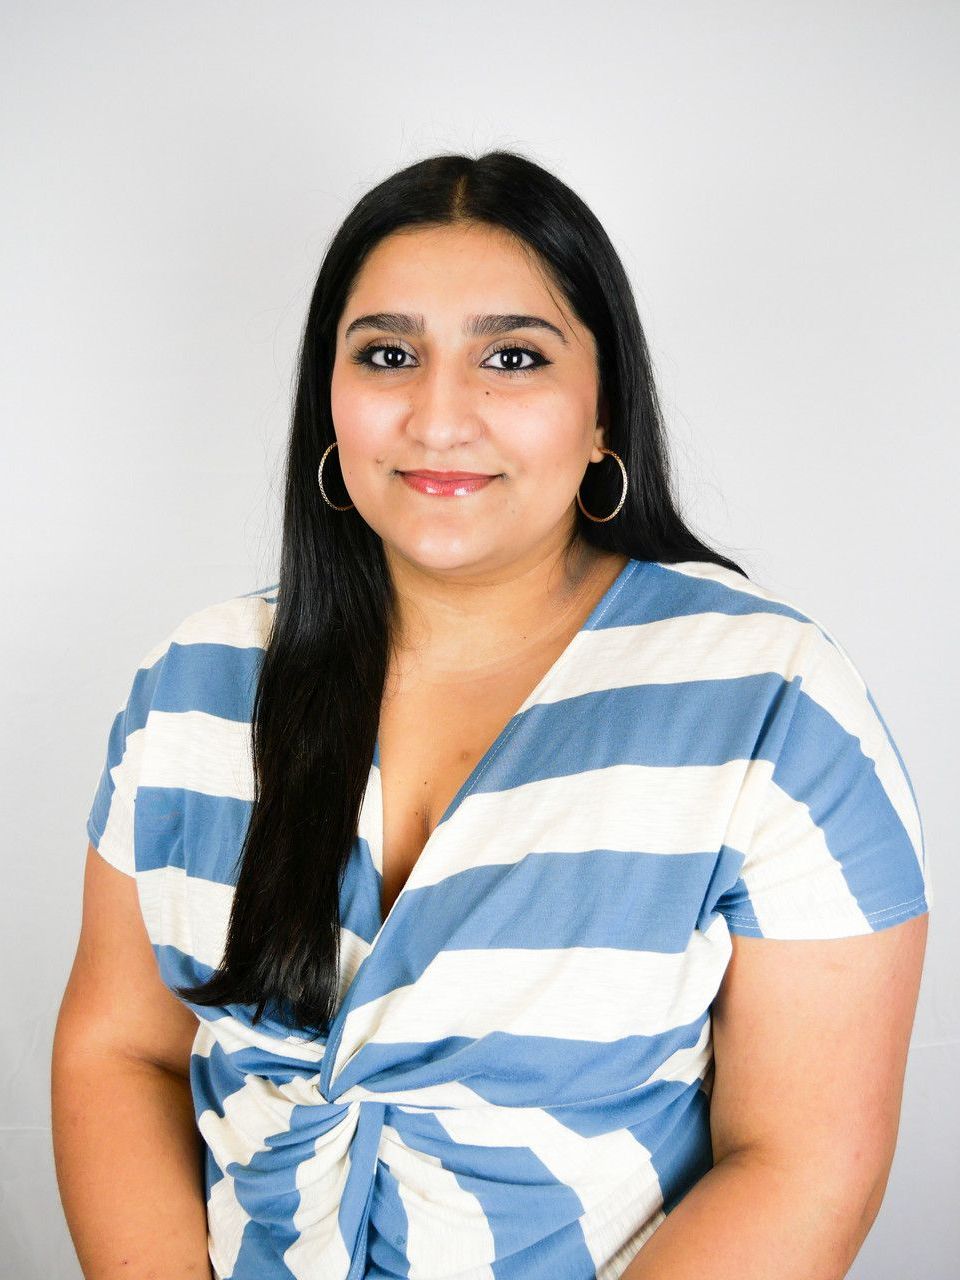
{"type": "Point", "coordinates": [364, 356]}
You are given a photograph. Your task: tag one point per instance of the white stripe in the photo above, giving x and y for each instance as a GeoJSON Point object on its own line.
{"type": "Point", "coordinates": [199, 752]}
{"type": "Point", "coordinates": [321, 1180]}
{"type": "Point", "coordinates": [232, 1036]}
{"type": "Point", "coordinates": [226, 1219]}
{"type": "Point", "coordinates": [625, 1233]}
{"type": "Point", "coordinates": [576, 993]}
{"type": "Point", "coordinates": [447, 1230]}
{"type": "Point", "coordinates": [791, 874]}
{"type": "Point", "coordinates": [682, 809]}
{"type": "Point", "coordinates": [590, 1165]}
{"type": "Point", "coordinates": [834, 684]}
{"type": "Point", "coordinates": [259, 1109]}
{"type": "Point", "coordinates": [698, 647]}
{"type": "Point", "coordinates": [116, 842]}
{"type": "Point", "coordinates": [239, 622]}
{"type": "Point", "coordinates": [370, 822]}
{"type": "Point", "coordinates": [186, 912]}
{"type": "Point", "coordinates": [687, 1064]}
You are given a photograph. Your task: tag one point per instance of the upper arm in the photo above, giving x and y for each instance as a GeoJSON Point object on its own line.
{"type": "Point", "coordinates": [810, 1049]}
{"type": "Point", "coordinates": [828, 924]}
{"type": "Point", "coordinates": [115, 1001]}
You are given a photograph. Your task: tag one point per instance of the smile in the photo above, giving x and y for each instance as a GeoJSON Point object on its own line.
{"type": "Point", "coordinates": [445, 484]}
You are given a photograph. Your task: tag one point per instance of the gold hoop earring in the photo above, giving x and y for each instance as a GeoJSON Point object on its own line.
{"type": "Point", "coordinates": [623, 496]}
{"type": "Point", "coordinates": [323, 492]}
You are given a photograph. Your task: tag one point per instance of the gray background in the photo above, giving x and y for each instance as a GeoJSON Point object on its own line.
{"type": "Point", "coordinates": [781, 182]}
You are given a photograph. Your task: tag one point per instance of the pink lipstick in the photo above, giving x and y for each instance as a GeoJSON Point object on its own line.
{"type": "Point", "coordinates": [446, 484]}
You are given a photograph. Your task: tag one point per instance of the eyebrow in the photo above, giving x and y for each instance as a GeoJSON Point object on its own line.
{"type": "Point", "coordinates": [479, 326]}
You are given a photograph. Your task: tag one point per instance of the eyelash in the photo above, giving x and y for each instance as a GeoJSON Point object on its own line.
{"type": "Point", "coordinates": [362, 357]}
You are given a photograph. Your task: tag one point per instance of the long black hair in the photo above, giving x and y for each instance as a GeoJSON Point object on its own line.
{"type": "Point", "coordinates": [316, 709]}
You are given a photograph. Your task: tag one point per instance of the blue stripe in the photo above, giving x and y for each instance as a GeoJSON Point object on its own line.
{"type": "Point", "coordinates": [521, 1071]}
{"type": "Point", "coordinates": [131, 718]}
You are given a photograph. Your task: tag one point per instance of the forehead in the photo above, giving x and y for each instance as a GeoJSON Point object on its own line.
{"type": "Point", "coordinates": [445, 272]}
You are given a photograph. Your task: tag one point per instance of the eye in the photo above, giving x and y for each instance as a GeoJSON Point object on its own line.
{"type": "Point", "coordinates": [398, 358]}
{"type": "Point", "coordinates": [365, 355]}
{"type": "Point", "coordinates": [511, 349]}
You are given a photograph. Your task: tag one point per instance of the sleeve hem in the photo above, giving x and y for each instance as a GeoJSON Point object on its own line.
{"type": "Point", "coordinates": [117, 858]}
{"type": "Point", "coordinates": [806, 929]}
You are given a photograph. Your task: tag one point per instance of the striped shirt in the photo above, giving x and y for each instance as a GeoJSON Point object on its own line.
{"type": "Point", "coordinates": [517, 1079]}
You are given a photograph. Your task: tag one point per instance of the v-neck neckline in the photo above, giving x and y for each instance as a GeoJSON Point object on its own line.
{"type": "Point", "coordinates": [588, 624]}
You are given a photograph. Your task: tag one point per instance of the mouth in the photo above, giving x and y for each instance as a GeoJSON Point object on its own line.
{"type": "Point", "coordinates": [447, 484]}
{"type": "Point", "coordinates": [451, 475]}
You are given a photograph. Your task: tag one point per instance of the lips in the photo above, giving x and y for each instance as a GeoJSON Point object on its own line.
{"type": "Point", "coordinates": [446, 484]}
{"type": "Point", "coordinates": [450, 475]}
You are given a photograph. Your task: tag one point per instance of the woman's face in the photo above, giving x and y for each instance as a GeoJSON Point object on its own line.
{"type": "Point", "coordinates": [416, 387]}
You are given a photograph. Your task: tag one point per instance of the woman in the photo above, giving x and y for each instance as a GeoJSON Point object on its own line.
{"type": "Point", "coordinates": [513, 874]}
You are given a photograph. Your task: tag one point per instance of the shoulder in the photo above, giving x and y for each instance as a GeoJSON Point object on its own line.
{"type": "Point", "coordinates": [825, 817]}
{"type": "Point", "coordinates": [730, 621]}
{"type": "Point", "coordinates": [703, 586]}
{"type": "Point", "coordinates": [210, 659]}
{"type": "Point", "coordinates": [239, 622]}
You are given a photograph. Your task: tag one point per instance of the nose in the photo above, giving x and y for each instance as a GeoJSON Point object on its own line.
{"type": "Point", "coordinates": [443, 408]}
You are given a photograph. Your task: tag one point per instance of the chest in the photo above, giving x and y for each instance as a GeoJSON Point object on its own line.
{"type": "Point", "coordinates": [432, 737]}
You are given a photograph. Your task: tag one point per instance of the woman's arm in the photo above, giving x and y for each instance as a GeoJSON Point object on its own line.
{"type": "Point", "coordinates": [126, 1145]}
{"type": "Point", "coordinates": [750, 1219]}
{"type": "Point", "coordinates": [810, 1049]}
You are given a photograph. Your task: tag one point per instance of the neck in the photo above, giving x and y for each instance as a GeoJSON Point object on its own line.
{"type": "Point", "coordinates": [468, 621]}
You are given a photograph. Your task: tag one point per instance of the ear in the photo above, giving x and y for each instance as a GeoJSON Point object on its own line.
{"type": "Point", "coordinates": [600, 431]}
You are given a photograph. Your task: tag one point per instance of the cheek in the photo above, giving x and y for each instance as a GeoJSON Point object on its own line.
{"type": "Point", "coordinates": [545, 440]}
{"type": "Point", "coordinates": [363, 421]}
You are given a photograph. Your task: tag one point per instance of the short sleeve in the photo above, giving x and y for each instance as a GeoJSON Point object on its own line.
{"type": "Point", "coordinates": [110, 822]}
{"type": "Point", "coordinates": [834, 844]}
